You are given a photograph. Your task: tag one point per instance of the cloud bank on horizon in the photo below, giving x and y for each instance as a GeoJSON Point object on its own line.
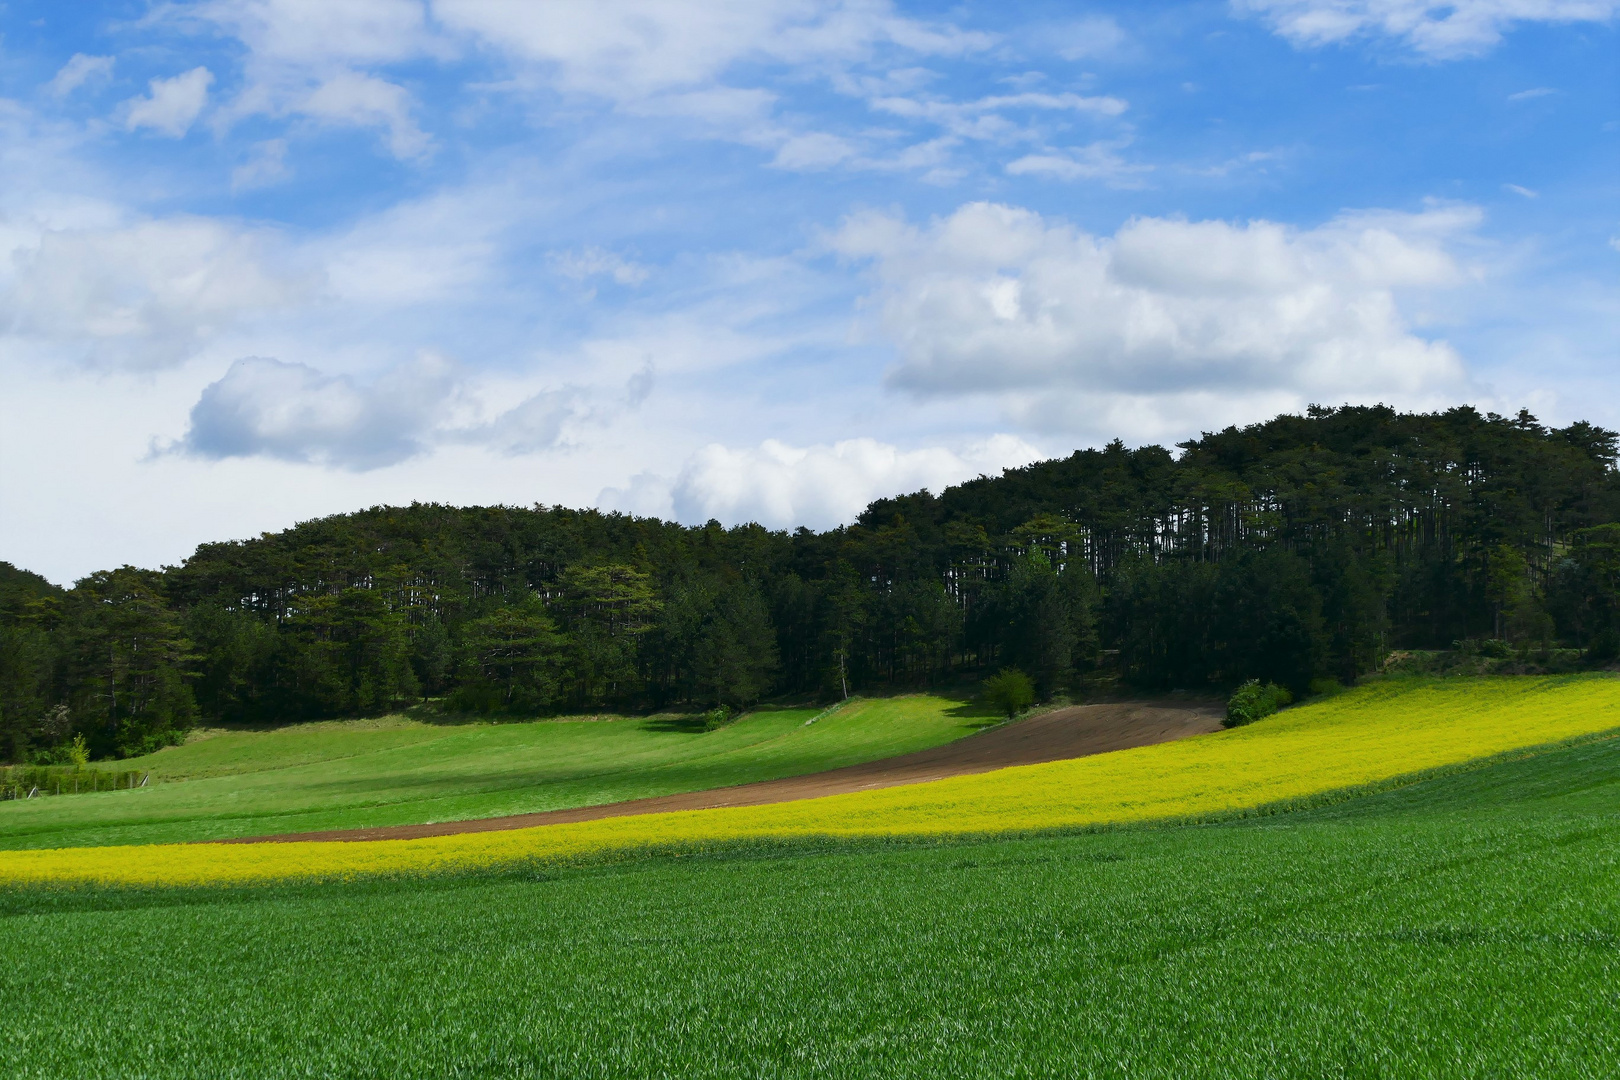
{"type": "Point", "coordinates": [763, 260]}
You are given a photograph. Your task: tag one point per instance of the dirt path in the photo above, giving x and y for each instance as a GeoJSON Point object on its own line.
{"type": "Point", "coordinates": [1077, 731]}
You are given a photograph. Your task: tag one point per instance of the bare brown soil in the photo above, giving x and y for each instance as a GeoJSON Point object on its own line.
{"type": "Point", "coordinates": [1077, 731]}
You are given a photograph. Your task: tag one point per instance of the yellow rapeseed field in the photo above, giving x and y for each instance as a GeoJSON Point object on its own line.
{"type": "Point", "coordinates": [1373, 734]}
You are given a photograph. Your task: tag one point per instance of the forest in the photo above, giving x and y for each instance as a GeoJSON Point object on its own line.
{"type": "Point", "coordinates": [1302, 549]}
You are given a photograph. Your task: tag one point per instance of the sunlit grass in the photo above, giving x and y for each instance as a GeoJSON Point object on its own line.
{"type": "Point", "coordinates": [1368, 736]}
{"type": "Point", "coordinates": [393, 771]}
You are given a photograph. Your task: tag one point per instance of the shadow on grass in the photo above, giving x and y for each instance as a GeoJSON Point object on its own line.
{"type": "Point", "coordinates": [677, 724]}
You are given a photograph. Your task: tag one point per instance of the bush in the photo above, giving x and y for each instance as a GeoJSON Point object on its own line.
{"type": "Point", "coordinates": [1604, 647]}
{"type": "Point", "coordinates": [717, 717]}
{"type": "Point", "coordinates": [1009, 690]}
{"type": "Point", "coordinates": [1326, 687]}
{"type": "Point", "coordinates": [1491, 648]}
{"type": "Point", "coordinates": [1252, 701]}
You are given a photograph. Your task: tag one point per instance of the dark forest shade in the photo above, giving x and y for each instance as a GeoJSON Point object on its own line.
{"type": "Point", "coordinates": [1302, 548]}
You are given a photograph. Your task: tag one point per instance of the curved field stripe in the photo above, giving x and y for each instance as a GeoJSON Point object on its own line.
{"type": "Point", "coordinates": [1367, 736]}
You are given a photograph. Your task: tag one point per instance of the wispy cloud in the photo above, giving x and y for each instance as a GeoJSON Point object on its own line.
{"type": "Point", "coordinates": [78, 71]}
{"type": "Point", "coordinates": [172, 105]}
{"type": "Point", "coordinates": [1439, 31]}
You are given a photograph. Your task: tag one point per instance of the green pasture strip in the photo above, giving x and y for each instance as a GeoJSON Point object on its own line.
{"type": "Point", "coordinates": [329, 776]}
{"type": "Point", "coordinates": [1465, 926]}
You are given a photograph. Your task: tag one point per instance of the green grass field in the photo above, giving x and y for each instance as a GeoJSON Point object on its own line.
{"type": "Point", "coordinates": [347, 774]}
{"type": "Point", "coordinates": [1467, 926]}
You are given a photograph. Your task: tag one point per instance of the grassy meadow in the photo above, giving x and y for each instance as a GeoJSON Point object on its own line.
{"type": "Point", "coordinates": [1463, 926]}
{"type": "Point", "coordinates": [1374, 735]}
{"type": "Point", "coordinates": [394, 771]}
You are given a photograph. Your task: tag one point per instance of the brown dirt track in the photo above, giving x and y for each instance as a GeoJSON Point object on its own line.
{"type": "Point", "coordinates": [1077, 731]}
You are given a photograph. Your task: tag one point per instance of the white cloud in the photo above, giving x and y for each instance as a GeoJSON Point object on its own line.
{"type": "Point", "coordinates": [1058, 324]}
{"type": "Point", "coordinates": [143, 295]}
{"type": "Point", "coordinates": [351, 99]}
{"type": "Point", "coordinates": [1440, 30]}
{"type": "Point", "coordinates": [172, 106]}
{"type": "Point", "coordinates": [814, 151]}
{"type": "Point", "coordinates": [78, 71]}
{"type": "Point", "coordinates": [632, 49]}
{"type": "Point", "coordinates": [594, 262]}
{"type": "Point", "coordinates": [1523, 192]}
{"type": "Point", "coordinates": [667, 58]}
{"type": "Point", "coordinates": [1098, 161]}
{"type": "Point", "coordinates": [982, 118]}
{"type": "Point", "coordinates": [649, 58]}
{"type": "Point", "coordinates": [821, 486]}
{"type": "Point", "coordinates": [304, 60]}
{"type": "Point", "coordinates": [1096, 36]}
{"type": "Point", "coordinates": [265, 166]}
{"type": "Point", "coordinates": [264, 407]}
{"type": "Point", "coordinates": [436, 249]}
{"type": "Point", "coordinates": [535, 424]}
{"type": "Point", "coordinates": [313, 33]}
{"type": "Point", "coordinates": [1532, 94]}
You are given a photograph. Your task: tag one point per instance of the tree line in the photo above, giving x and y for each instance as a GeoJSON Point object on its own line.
{"type": "Point", "coordinates": [1302, 548]}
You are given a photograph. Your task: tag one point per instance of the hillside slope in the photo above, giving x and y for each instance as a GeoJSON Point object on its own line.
{"type": "Point", "coordinates": [368, 773]}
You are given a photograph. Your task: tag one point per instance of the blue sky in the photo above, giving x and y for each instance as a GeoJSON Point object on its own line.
{"type": "Point", "coordinates": [270, 259]}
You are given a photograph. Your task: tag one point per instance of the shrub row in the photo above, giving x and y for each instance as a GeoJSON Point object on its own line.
{"type": "Point", "coordinates": [17, 782]}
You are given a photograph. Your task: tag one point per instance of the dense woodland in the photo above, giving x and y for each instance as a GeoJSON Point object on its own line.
{"type": "Point", "coordinates": [1300, 549]}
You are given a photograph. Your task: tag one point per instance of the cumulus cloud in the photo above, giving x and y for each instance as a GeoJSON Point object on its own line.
{"type": "Point", "coordinates": [821, 486]}
{"type": "Point", "coordinates": [1441, 31]}
{"type": "Point", "coordinates": [144, 295]}
{"type": "Point", "coordinates": [172, 105]}
{"type": "Point", "coordinates": [271, 408]}
{"type": "Point", "coordinates": [79, 70]}
{"type": "Point", "coordinates": [1061, 324]}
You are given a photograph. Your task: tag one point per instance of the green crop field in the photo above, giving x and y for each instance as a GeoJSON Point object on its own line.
{"type": "Point", "coordinates": [1465, 926]}
{"type": "Point", "coordinates": [396, 771]}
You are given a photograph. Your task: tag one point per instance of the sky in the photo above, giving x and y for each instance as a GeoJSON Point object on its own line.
{"type": "Point", "coordinates": [761, 260]}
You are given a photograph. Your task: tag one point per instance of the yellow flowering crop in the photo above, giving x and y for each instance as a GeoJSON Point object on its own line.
{"type": "Point", "coordinates": [1374, 734]}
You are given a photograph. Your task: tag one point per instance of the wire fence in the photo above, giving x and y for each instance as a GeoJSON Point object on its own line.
{"type": "Point", "coordinates": [33, 781]}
